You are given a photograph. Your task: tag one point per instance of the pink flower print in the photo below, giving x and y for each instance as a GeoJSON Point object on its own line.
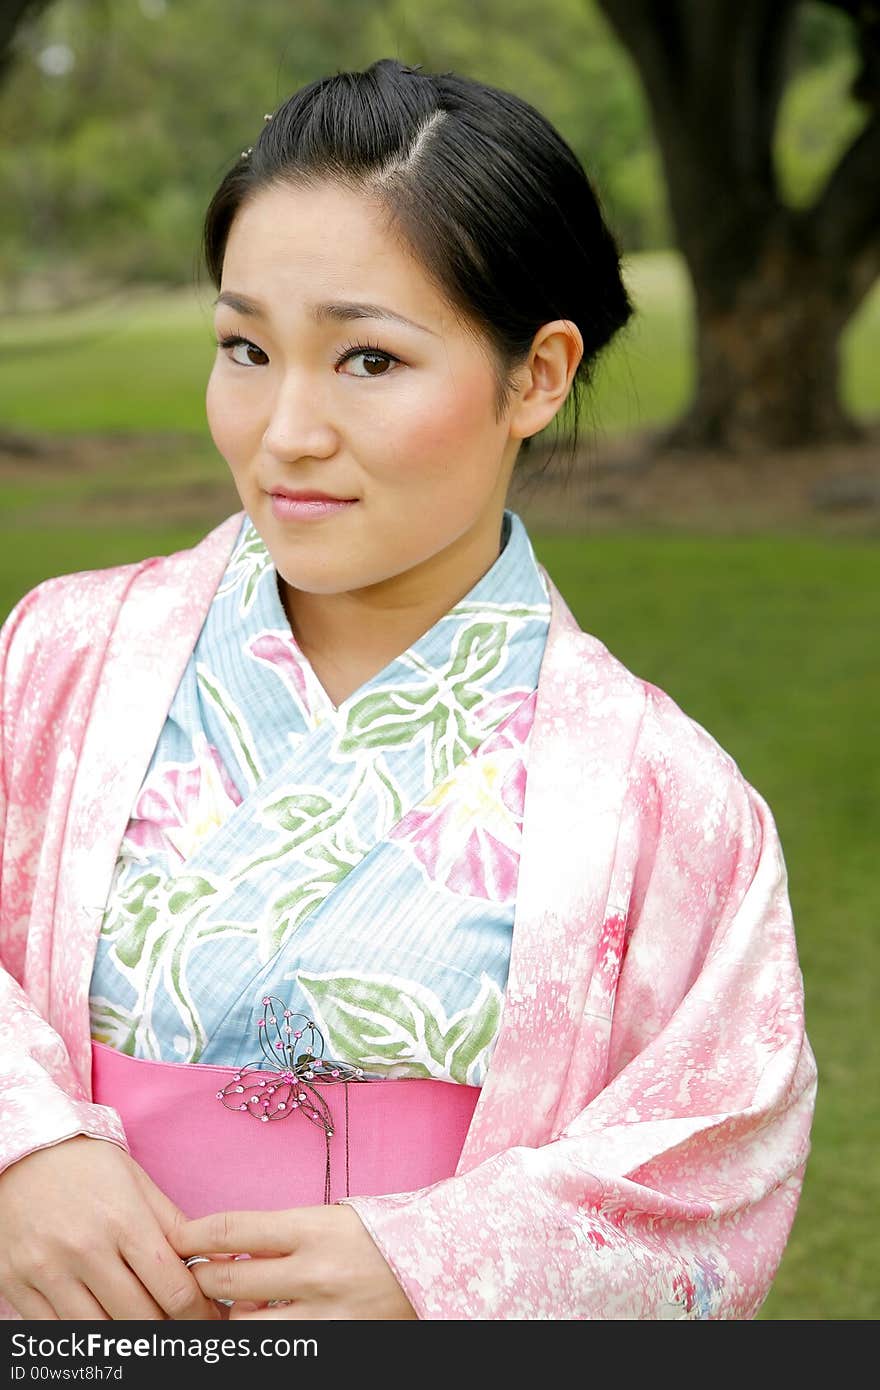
{"type": "Point", "coordinates": [279, 651]}
{"type": "Point", "coordinates": [509, 711]}
{"type": "Point", "coordinates": [466, 833]}
{"type": "Point", "coordinates": [182, 804]}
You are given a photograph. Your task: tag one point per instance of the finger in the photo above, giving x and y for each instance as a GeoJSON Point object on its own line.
{"type": "Point", "coordinates": [270, 1231]}
{"type": "Point", "coordinates": [118, 1289]}
{"type": "Point", "coordinates": [291, 1311]}
{"type": "Point", "coordinates": [72, 1301]}
{"type": "Point", "coordinates": [169, 1219]}
{"type": "Point", "coordinates": [235, 1310]}
{"type": "Point", "coordinates": [253, 1280]}
{"type": "Point", "coordinates": [164, 1275]}
{"type": "Point", "coordinates": [30, 1303]}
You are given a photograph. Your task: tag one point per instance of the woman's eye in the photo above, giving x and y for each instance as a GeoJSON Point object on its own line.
{"type": "Point", "coordinates": [235, 341]}
{"type": "Point", "coordinates": [376, 361]}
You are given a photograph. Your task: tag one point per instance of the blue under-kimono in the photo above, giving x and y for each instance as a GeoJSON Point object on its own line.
{"type": "Point", "coordinates": [358, 862]}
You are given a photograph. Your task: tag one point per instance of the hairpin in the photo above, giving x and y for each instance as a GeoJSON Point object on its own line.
{"type": "Point", "coordinates": [245, 153]}
{"type": "Point", "coordinates": [294, 1049]}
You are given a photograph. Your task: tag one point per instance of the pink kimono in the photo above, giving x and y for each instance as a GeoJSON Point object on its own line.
{"type": "Point", "coordinates": [639, 1143]}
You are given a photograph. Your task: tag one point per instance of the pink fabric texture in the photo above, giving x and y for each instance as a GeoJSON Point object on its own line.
{"type": "Point", "coordinates": [402, 1134]}
{"type": "Point", "coordinates": [639, 1144]}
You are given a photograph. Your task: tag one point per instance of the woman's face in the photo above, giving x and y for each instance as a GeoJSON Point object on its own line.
{"type": "Point", "coordinates": [320, 396]}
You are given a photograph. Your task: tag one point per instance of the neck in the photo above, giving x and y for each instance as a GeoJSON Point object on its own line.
{"type": "Point", "coordinates": [354, 635]}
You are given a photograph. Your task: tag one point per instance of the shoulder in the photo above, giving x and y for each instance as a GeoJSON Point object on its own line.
{"type": "Point", "coordinates": [70, 617]}
{"type": "Point", "coordinates": [695, 795]}
{"type": "Point", "coordinates": [585, 686]}
{"type": "Point", "coordinates": [691, 832]}
{"type": "Point", "coordinates": [59, 620]}
{"type": "Point", "coordinates": [676, 769]}
{"type": "Point", "coordinates": [671, 738]}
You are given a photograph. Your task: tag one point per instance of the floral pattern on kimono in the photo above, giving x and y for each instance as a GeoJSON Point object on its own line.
{"type": "Point", "coordinates": [647, 1111]}
{"type": "Point", "coordinates": [359, 862]}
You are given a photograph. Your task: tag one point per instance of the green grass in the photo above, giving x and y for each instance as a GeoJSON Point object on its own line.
{"type": "Point", "coordinates": [770, 644]}
{"type": "Point", "coordinates": [141, 361]}
{"type": "Point", "coordinates": [29, 555]}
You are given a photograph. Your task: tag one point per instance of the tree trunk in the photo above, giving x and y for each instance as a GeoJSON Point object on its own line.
{"type": "Point", "coordinates": [768, 359]}
{"type": "Point", "coordinates": [774, 286]}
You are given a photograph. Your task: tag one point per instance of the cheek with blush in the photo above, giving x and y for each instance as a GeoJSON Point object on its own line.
{"type": "Point", "coordinates": [445, 434]}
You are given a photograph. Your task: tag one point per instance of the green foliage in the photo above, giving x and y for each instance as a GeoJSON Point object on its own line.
{"type": "Point", "coordinates": [817, 121]}
{"type": "Point", "coordinates": [109, 167]}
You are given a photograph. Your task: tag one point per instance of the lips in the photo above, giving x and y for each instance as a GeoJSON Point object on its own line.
{"type": "Point", "coordinates": [291, 506]}
{"type": "Point", "coordinates": [308, 496]}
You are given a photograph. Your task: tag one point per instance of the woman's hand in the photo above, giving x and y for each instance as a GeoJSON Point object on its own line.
{"type": "Point", "coordinates": [86, 1236]}
{"type": "Point", "coordinates": [320, 1261]}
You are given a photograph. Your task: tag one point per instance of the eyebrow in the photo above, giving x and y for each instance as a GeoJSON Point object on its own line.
{"type": "Point", "coordinates": [334, 311]}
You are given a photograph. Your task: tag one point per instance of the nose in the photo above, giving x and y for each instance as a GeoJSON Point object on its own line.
{"type": "Point", "coordinates": [298, 424]}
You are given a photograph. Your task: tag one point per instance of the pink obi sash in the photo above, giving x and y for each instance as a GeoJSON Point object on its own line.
{"type": "Point", "coordinates": [388, 1136]}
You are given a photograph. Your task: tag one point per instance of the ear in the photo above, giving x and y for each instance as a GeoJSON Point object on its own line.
{"type": "Point", "coordinates": [546, 377]}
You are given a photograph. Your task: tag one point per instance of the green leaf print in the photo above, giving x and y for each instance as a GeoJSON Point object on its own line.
{"type": "Point", "coordinates": [133, 900]}
{"type": "Point", "coordinates": [387, 719]}
{"type": "Point", "coordinates": [504, 610]}
{"type": "Point", "coordinates": [130, 942]}
{"type": "Point", "coordinates": [477, 652]}
{"type": "Point", "coordinates": [474, 1031]}
{"type": "Point", "coordinates": [111, 1025]}
{"type": "Point", "coordinates": [323, 822]}
{"type": "Point", "coordinates": [251, 587]}
{"type": "Point", "coordinates": [234, 721]}
{"type": "Point", "coordinates": [185, 1004]}
{"type": "Point", "coordinates": [290, 911]}
{"type": "Point", "coordinates": [395, 804]}
{"type": "Point", "coordinates": [294, 812]}
{"type": "Point", "coordinates": [150, 913]}
{"type": "Point", "coordinates": [247, 565]}
{"type": "Point", "coordinates": [451, 743]}
{"type": "Point", "coordinates": [339, 857]}
{"type": "Point", "coordinates": [177, 977]}
{"type": "Point", "coordinates": [399, 1027]}
{"type": "Point", "coordinates": [190, 888]}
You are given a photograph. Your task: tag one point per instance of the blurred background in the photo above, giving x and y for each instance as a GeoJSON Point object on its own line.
{"type": "Point", "coordinates": [718, 524]}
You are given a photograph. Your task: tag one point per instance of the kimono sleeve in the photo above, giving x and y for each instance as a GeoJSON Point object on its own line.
{"type": "Point", "coordinates": [672, 1192]}
{"type": "Point", "coordinates": [42, 1101]}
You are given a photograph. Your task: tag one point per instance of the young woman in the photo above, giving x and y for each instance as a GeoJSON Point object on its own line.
{"type": "Point", "coordinates": [339, 820]}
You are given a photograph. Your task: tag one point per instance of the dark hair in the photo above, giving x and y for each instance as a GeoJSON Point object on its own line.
{"type": "Point", "coordinates": [495, 205]}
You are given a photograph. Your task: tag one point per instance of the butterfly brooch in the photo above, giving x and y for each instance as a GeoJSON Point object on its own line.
{"type": "Point", "coordinates": [293, 1047]}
